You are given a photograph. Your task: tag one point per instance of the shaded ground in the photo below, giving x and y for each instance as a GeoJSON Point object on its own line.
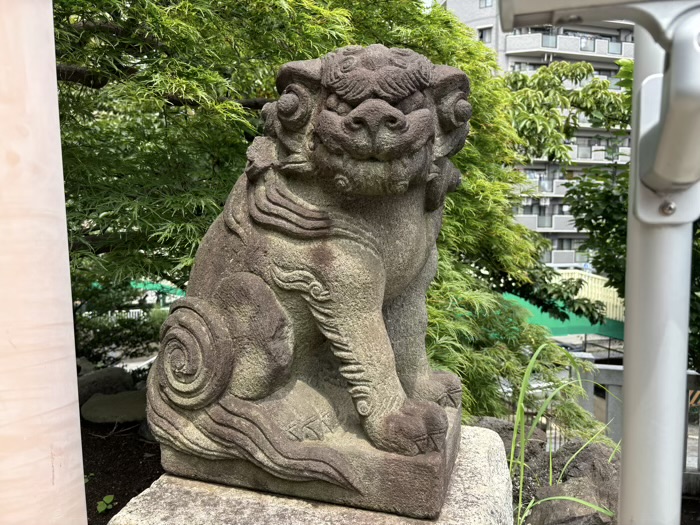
{"type": "Point", "coordinates": [691, 511]}
{"type": "Point", "coordinates": [118, 462]}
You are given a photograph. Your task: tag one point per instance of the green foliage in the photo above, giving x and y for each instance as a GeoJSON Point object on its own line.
{"type": "Point", "coordinates": [103, 331]}
{"type": "Point", "coordinates": [107, 503]}
{"type": "Point", "coordinates": [547, 107]}
{"type": "Point", "coordinates": [150, 156]}
{"type": "Point", "coordinates": [159, 102]}
{"type": "Point", "coordinates": [521, 437]}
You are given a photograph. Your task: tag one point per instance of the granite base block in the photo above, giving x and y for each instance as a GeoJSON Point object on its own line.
{"type": "Point", "coordinates": [413, 486]}
{"type": "Point", "coordinates": [479, 494]}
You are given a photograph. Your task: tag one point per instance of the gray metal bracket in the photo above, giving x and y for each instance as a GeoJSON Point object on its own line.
{"type": "Point", "coordinates": [650, 207]}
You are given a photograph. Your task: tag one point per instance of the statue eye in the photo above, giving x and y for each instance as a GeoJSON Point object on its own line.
{"type": "Point", "coordinates": [294, 107]}
{"type": "Point", "coordinates": [454, 110]}
{"type": "Point", "coordinates": [412, 103]}
{"type": "Point", "coordinates": [333, 103]}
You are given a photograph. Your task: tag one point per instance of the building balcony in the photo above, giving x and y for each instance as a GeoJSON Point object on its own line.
{"type": "Point", "coordinates": [548, 187]}
{"type": "Point", "coordinates": [563, 223]}
{"type": "Point", "coordinates": [559, 189]}
{"type": "Point", "coordinates": [568, 47]}
{"type": "Point", "coordinates": [563, 256]}
{"type": "Point", "coordinates": [548, 223]}
{"type": "Point", "coordinates": [529, 221]}
{"type": "Point", "coordinates": [597, 154]}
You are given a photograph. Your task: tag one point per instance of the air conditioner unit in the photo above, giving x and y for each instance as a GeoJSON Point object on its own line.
{"type": "Point", "coordinates": [544, 201]}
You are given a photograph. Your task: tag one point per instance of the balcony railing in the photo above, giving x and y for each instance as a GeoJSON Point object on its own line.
{"type": "Point", "coordinates": [546, 185]}
{"type": "Point", "coordinates": [559, 188]}
{"type": "Point", "coordinates": [615, 48]}
{"type": "Point", "coordinates": [544, 221]}
{"type": "Point", "coordinates": [584, 152]}
{"type": "Point", "coordinates": [529, 221]}
{"type": "Point", "coordinates": [564, 223]}
{"type": "Point", "coordinates": [568, 46]}
{"type": "Point", "coordinates": [549, 41]}
{"type": "Point", "coordinates": [563, 257]}
{"type": "Point", "coordinates": [588, 44]}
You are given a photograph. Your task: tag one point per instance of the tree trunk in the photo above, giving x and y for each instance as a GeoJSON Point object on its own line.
{"type": "Point", "coordinates": [41, 474]}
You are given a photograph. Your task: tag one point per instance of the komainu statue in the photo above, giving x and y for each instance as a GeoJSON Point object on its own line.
{"type": "Point", "coordinates": [297, 362]}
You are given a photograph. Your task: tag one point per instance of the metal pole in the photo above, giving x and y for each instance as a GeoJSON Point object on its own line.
{"type": "Point", "coordinates": [41, 470]}
{"type": "Point", "coordinates": [656, 341]}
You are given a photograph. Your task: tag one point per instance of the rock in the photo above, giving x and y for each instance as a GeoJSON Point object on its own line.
{"type": "Point", "coordinates": [590, 477]}
{"type": "Point", "coordinates": [534, 451]}
{"type": "Point", "coordinates": [84, 366]}
{"type": "Point", "coordinates": [115, 408]}
{"type": "Point", "coordinates": [479, 494]}
{"type": "Point", "coordinates": [504, 429]}
{"type": "Point", "coordinates": [560, 512]}
{"type": "Point", "coordinates": [104, 381]}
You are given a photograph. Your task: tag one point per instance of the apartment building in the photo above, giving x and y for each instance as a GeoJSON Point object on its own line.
{"type": "Point", "coordinates": [525, 50]}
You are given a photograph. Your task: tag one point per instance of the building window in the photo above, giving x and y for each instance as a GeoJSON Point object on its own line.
{"type": "Point", "coordinates": [564, 244]}
{"type": "Point", "coordinates": [615, 48]}
{"type": "Point", "coordinates": [485, 34]}
{"type": "Point", "coordinates": [485, 3]}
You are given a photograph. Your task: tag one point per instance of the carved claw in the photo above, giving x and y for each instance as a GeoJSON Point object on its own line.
{"type": "Point", "coordinates": [417, 427]}
{"type": "Point", "coordinates": [451, 398]}
{"type": "Point", "coordinates": [443, 388]}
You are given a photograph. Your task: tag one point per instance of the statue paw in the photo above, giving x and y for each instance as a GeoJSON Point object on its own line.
{"type": "Point", "coordinates": [415, 428]}
{"type": "Point", "coordinates": [443, 388]}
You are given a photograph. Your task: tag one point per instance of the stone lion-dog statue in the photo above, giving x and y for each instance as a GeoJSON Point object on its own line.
{"type": "Point", "coordinates": [297, 363]}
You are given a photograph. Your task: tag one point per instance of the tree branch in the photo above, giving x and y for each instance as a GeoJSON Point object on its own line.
{"type": "Point", "coordinates": [81, 75]}
{"type": "Point", "coordinates": [254, 103]}
{"type": "Point", "coordinates": [248, 103]}
{"type": "Point", "coordinates": [97, 80]}
{"type": "Point", "coordinates": [110, 28]}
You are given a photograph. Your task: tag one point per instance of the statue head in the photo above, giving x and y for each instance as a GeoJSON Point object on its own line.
{"type": "Point", "coordinates": [370, 121]}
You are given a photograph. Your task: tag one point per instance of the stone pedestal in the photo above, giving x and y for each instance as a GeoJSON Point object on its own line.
{"type": "Point", "coordinates": [479, 494]}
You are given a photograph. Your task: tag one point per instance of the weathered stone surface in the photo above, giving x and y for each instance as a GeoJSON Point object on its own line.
{"type": "Point", "coordinates": [115, 408]}
{"type": "Point", "coordinates": [299, 351]}
{"type": "Point", "coordinates": [104, 381]}
{"type": "Point", "coordinates": [145, 433]}
{"type": "Point", "coordinates": [590, 477]}
{"type": "Point", "coordinates": [84, 366]}
{"type": "Point", "coordinates": [534, 454]}
{"type": "Point", "coordinates": [479, 494]}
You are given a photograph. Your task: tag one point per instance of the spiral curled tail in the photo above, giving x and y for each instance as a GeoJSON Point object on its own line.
{"type": "Point", "coordinates": [196, 358]}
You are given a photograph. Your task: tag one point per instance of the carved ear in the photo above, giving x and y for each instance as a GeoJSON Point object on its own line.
{"type": "Point", "coordinates": [306, 72]}
{"type": "Point", "coordinates": [450, 88]}
{"type": "Point", "coordinates": [447, 79]}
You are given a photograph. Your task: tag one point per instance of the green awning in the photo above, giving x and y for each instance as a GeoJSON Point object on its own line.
{"type": "Point", "coordinates": [574, 326]}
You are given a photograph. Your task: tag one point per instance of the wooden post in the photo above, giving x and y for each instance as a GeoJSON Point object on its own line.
{"type": "Point", "coordinates": [41, 474]}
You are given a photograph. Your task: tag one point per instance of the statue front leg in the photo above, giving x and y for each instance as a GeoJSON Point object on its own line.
{"type": "Point", "coordinates": [347, 309]}
{"type": "Point", "coordinates": [406, 319]}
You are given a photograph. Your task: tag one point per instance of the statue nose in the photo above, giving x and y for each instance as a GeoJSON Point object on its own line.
{"type": "Point", "coordinates": [373, 116]}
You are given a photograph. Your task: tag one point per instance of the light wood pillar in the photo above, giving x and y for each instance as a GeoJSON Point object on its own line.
{"type": "Point", "coordinates": [41, 474]}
